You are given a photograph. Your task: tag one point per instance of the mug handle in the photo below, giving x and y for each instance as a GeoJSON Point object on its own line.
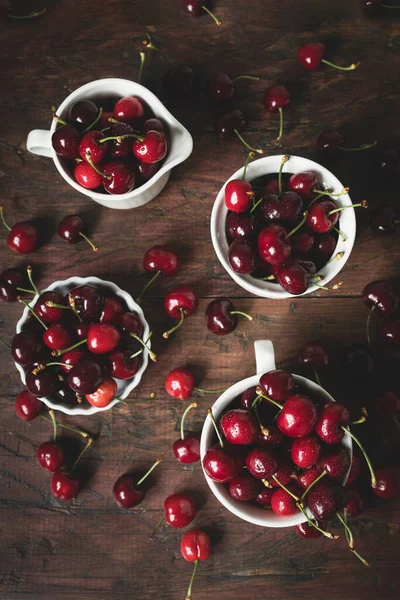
{"type": "Point", "coordinates": [39, 142]}
{"type": "Point", "coordinates": [265, 356]}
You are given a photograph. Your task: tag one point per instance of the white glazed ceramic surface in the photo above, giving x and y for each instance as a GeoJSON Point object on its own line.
{"type": "Point", "coordinates": [180, 141]}
{"type": "Point", "coordinates": [265, 359]}
{"type": "Point", "coordinates": [266, 166]}
{"type": "Point", "coordinates": [124, 386]}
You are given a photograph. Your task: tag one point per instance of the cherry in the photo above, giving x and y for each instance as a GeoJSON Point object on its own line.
{"type": "Point", "coordinates": [8, 293]}
{"type": "Point", "coordinates": [261, 463]}
{"type": "Point", "coordinates": [87, 301]}
{"type": "Point", "coordinates": [159, 260]}
{"type": "Point", "coordinates": [325, 245]}
{"type": "Point", "coordinates": [274, 245]}
{"type": "Point", "coordinates": [221, 87]}
{"type": "Point", "coordinates": [12, 280]}
{"type": "Point", "coordinates": [277, 384]}
{"type": "Point", "coordinates": [64, 486]}
{"type": "Point", "coordinates": [389, 163]}
{"type": "Point", "coordinates": [238, 195]}
{"type": "Point", "coordinates": [321, 219]}
{"type": "Point", "coordinates": [387, 405]}
{"type": "Point", "coordinates": [304, 184]}
{"type": "Point", "coordinates": [50, 314]}
{"type": "Point", "coordinates": [297, 417]}
{"type": "Point", "coordinates": [355, 504]}
{"type": "Point", "coordinates": [294, 278]}
{"type": "Point", "coordinates": [374, 7]}
{"type": "Point", "coordinates": [71, 357]}
{"type": "Point", "coordinates": [180, 510]}
{"type": "Point", "coordinates": [271, 436]}
{"type": "Point", "coordinates": [40, 382]}
{"type": "Point", "coordinates": [354, 469]}
{"type": "Point", "coordinates": [308, 531]}
{"type": "Point", "coordinates": [179, 80]}
{"type": "Point", "coordinates": [50, 456]}
{"type": "Point", "coordinates": [270, 207]}
{"type": "Point", "coordinates": [325, 498]}
{"type": "Point", "coordinates": [328, 142]}
{"type": "Point", "coordinates": [307, 477]}
{"type": "Point", "coordinates": [112, 309]}
{"type": "Point", "coordinates": [329, 427]}
{"type": "Point", "coordinates": [27, 406]}
{"type": "Point", "coordinates": [154, 125]}
{"type": "Point", "coordinates": [64, 393]}
{"type": "Point", "coordinates": [129, 110]}
{"type": "Point", "coordinates": [83, 113]}
{"type": "Point", "coordinates": [195, 546]}
{"type": "Point", "coordinates": [121, 364]}
{"type": "Point", "coordinates": [57, 337]}
{"type": "Point", "coordinates": [311, 55]}
{"type": "Point", "coordinates": [387, 482]}
{"type": "Point", "coordinates": [282, 503]}
{"type": "Point", "coordinates": [23, 237]}
{"type": "Point", "coordinates": [303, 242]}
{"type": "Point", "coordinates": [229, 122]}
{"type": "Point", "coordinates": [86, 176]}
{"type": "Point", "coordinates": [103, 338]}
{"type": "Point", "coordinates": [248, 397]}
{"type": "Point", "coordinates": [197, 8]}
{"type": "Point", "coordinates": [240, 426]}
{"type": "Point", "coordinates": [180, 303]}
{"type": "Point", "coordinates": [27, 347]}
{"type": "Point", "coordinates": [86, 376]}
{"type": "Point", "coordinates": [305, 452]}
{"type": "Point", "coordinates": [187, 448]}
{"type": "Point", "coordinates": [65, 141]}
{"type": "Point", "coordinates": [72, 229]}
{"type": "Point", "coordinates": [117, 178]}
{"type": "Point", "coordinates": [313, 356]}
{"type": "Point", "coordinates": [290, 207]}
{"type": "Point", "coordinates": [244, 487]}
{"type": "Point", "coordinates": [379, 295]}
{"type": "Point", "coordinates": [242, 256]}
{"type": "Point", "coordinates": [179, 383]}
{"type": "Point", "coordinates": [104, 394]}
{"type": "Point", "coordinates": [92, 149]}
{"type": "Point", "coordinates": [121, 146]}
{"type": "Point", "coordinates": [130, 323]}
{"type": "Point", "coordinates": [146, 171]}
{"type": "Point", "coordinates": [335, 463]}
{"type": "Point", "coordinates": [221, 316]}
{"type": "Point", "coordinates": [151, 148]}
{"type": "Point", "coordinates": [383, 220]}
{"type": "Point", "coordinates": [264, 497]}
{"type": "Point", "coordinates": [127, 491]}
{"type": "Point", "coordinates": [220, 465]}
{"type": "Point", "coordinates": [239, 225]}
{"type": "Point", "coordinates": [277, 97]}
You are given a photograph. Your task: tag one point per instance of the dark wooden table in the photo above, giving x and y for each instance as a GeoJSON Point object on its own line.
{"type": "Point", "coordinates": [89, 548]}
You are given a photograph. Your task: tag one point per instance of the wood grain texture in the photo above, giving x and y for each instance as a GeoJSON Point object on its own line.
{"type": "Point", "coordinates": [91, 549]}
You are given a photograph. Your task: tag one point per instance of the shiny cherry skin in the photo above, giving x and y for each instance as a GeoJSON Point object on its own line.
{"type": "Point", "coordinates": [195, 7]}
{"type": "Point", "coordinates": [221, 87]}
{"type": "Point", "coordinates": [195, 545]}
{"type": "Point", "coordinates": [380, 294]}
{"type": "Point", "coordinates": [65, 141]}
{"type": "Point", "coordinates": [355, 504]}
{"type": "Point", "coordinates": [293, 278]}
{"type": "Point", "coordinates": [291, 207]}
{"type": "Point", "coordinates": [90, 148]}
{"type": "Point", "coordinates": [129, 322]}
{"type": "Point", "coordinates": [273, 438]}
{"type": "Point", "coordinates": [329, 142]}
{"type": "Point", "coordinates": [220, 317]}
{"type": "Point", "coordinates": [154, 125]}
{"type": "Point", "coordinates": [307, 477]}
{"type": "Point", "coordinates": [86, 376]}
{"type": "Point", "coordinates": [389, 163]}
{"type": "Point", "coordinates": [239, 225]}
{"type": "Point", "coordinates": [27, 406]}
{"type": "Point", "coordinates": [8, 293]}
{"type": "Point", "coordinates": [112, 309]}
{"type": "Point", "coordinates": [81, 330]}
{"type": "Point", "coordinates": [127, 493]}
{"type": "Point", "coordinates": [70, 228]}
{"type": "Point", "coordinates": [72, 357]}
{"type": "Point", "coordinates": [181, 298]}
{"type": "Point", "coordinates": [88, 301]}
{"type": "Point", "coordinates": [387, 405]}
{"type": "Point", "coordinates": [117, 178]}
{"type": "Point", "coordinates": [129, 110]}
{"type": "Point", "coordinates": [244, 487]}
{"type": "Point", "coordinates": [82, 114]}
{"type": "Point", "coordinates": [187, 451]}
{"type": "Point", "coordinates": [50, 456]}
{"type": "Point", "coordinates": [325, 245]}
{"type": "Point", "coordinates": [310, 55]}
{"type": "Point", "coordinates": [40, 384]}
{"type": "Point", "coordinates": [122, 146]}
{"type": "Point", "coordinates": [304, 184]}
{"type": "Point", "coordinates": [355, 469]}
{"type": "Point", "coordinates": [319, 219]}
{"type": "Point", "coordinates": [64, 486]}
{"type": "Point", "coordinates": [387, 482]}
{"type": "Point", "coordinates": [274, 246]}
{"type": "Point", "coordinates": [261, 463]}
{"type": "Point", "coordinates": [303, 243]}
{"type": "Point", "coordinates": [23, 238]}
{"type": "Point", "coordinates": [238, 195]}
{"type": "Point", "coordinates": [103, 338]}
{"type": "Point", "coordinates": [275, 97]}
{"type": "Point", "coordinates": [297, 417]}
{"type": "Point", "coordinates": [86, 176]}
{"type": "Point", "coordinates": [277, 384]}
{"type": "Point", "coordinates": [242, 256]}
{"type": "Point", "coordinates": [240, 426]}
{"type": "Point", "coordinates": [308, 531]}
{"type": "Point", "coordinates": [313, 355]}
{"type": "Point", "coordinates": [121, 365]}
{"type": "Point", "coordinates": [161, 258]}
{"type": "Point", "coordinates": [282, 503]}
{"type": "Point", "coordinates": [57, 337]}
{"type": "Point", "coordinates": [264, 497]}
{"type": "Point", "coordinates": [335, 463]}
{"type": "Point", "coordinates": [229, 121]}
{"type": "Point", "coordinates": [152, 149]}
{"type": "Point", "coordinates": [270, 207]}
{"type": "Point", "coordinates": [329, 425]}
{"type": "Point", "coordinates": [179, 80]}
{"type": "Point", "coordinates": [180, 510]}
{"type": "Point", "coordinates": [104, 394]}
{"type": "Point", "coordinates": [325, 498]}
{"type": "Point", "coordinates": [220, 465]}
{"type": "Point", "coordinates": [49, 314]}
{"type": "Point", "coordinates": [372, 7]}
{"type": "Point", "coordinates": [305, 452]}
{"type": "Point", "coordinates": [11, 279]}
{"type": "Point", "coordinates": [27, 347]}
{"type": "Point", "coordinates": [383, 220]}
{"type": "Point", "coordinates": [179, 383]}
{"type": "Point", "coordinates": [247, 398]}
{"type": "Point", "coordinates": [146, 171]}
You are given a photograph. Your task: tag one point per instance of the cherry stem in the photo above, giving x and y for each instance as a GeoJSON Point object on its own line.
{"type": "Point", "coordinates": [250, 156]}
{"type": "Point", "coordinates": [367, 460]}
{"type": "Point", "coordinates": [210, 391]}
{"type": "Point", "coordinates": [121, 137]}
{"type": "Point", "coordinates": [61, 352]}
{"type": "Point", "coordinates": [29, 273]}
{"type": "Point", "coordinates": [255, 205]}
{"type": "Point", "coordinates": [93, 247]}
{"type": "Point", "coordinates": [396, 421]}
{"type": "Point", "coordinates": [318, 196]}
{"type": "Point", "coordinates": [363, 418]}
{"type": "Point", "coordinates": [312, 485]}
{"type": "Point", "coordinates": [208, 11]}
{"type": "Point", "coordinates": [166, 334]}
{"type": "Point", "coordinates": [142, 61]}
{"type": "Point", "coordinates": [152, 355]}
{"type": "Point", "coordinates": [97, 119]}
{"type": "Point", "coordinates": [389, 6]}
{"type": "Point", "coordinates": [5, 343]}
{"type": "Point", "coordinates": [210, 413]}
{"type": "Point", "coordinates": [348, 533]}
{"type": "Point", "coordinates": [362, 147]}
{"type": "Point", "coordinates": [31, 15]}
{"type": "Point", "coordinates": [337, 256]}
{"type": "Point", "coordinates": [349, 68]}
{"type": "Point", "coordinates": [349, 537]}
{"type": "Point", "coordinates": [259, 151]}
{"type": "Point", "coordinates": [317, 377]}
{"type": "Point", "coordinates": [32, 311]}
{"type": "Point", "coordinates": [43, 366]}
{"type": "Point", "coordinates": [51, 304]}
{"type": "Point", "coordinates": [89, 442]}
{"type": "Point", "coordinates": [363, 204]}
{"type": "Point", "coordinates": [71, 302]}
{"type": "Point", "coordinates": [274, 402]}
{"type": "Point", "coordinates": [149, 44]}
{"type": "Point", "coordinates": [367, 325]}
{"type": "Point", "coordinates": [256, 401]}
{"type": "Point", "coordinates": [192, 405]}
{"type": "Point", "coordinates": [159, 459]}
{"type": "Point", "coordinates": [140, 351]}
{"type": "Point", "coordinates": [274, 477]}
{"type": "Point", "coordinates": [328, 192]}
{"type": "Point", "coordinates": [280, 124]}
{"type": "Point", "coordinates": [196, 564]}
{"type": "Point", "coordinates": [82, 433]}
{"type": "Point", "coordinates": [53, 418]}
{"type": "Point", "coordinates": [344, 238]}
{"type": "Point", "coordinates": [148, 284]}
{"type": "Point", "coordinates": [57, 118]}
{"type": "Point", "coordinates": [322, 287]}
{"type": "Point", "coordinates": [283, 161]}
{"type": "Point", "coordinates": [91, 163]}
{"type": "Point", "coordinates": [263, 429]}
{"type": "Point", "coordinates": [26, 291]}
{"type": "Point", "coordinates": [246, 77]}
{"type": "Point", "coordinates": [305, 215]}
{"type": "Point", "coordinates": [243, 314]}
{"type": "Point", "coordinates": [157, 527]}
{"type": "Point", "coordinates": [6, 225]}
{"type": "Point", "coordinates": [327, 534]}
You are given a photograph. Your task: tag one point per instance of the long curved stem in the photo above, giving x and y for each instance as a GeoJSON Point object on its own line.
{"type": "Point", "coordinates": [142, 61]}
{"type": "Point", "coordinates": [312, 485]}
{"type": "Point", "coordinates": [283, 162]}
{"type": "Point", "coordinates": [97, 119]}
{"type": "Point", "coordinates": [344, 238]}
{"type": "Point", "coordinates": [166, 334]}
{"type": "Point", "coordinates": [208, 11]}
{"type": "Point", "coordinates": [258, 150]}
{"type": "Point", "coordinates": [246, 77]}
{"type": "Point", "coordinates": [243, 314]}
{"type": "Point", "coordinates": [274, 402]}
{"type": "Point", "coordinates": [196, 564]}
{"type": "Point", "coordinates": [51, 413]}
{"type": "Point", "coordinates": [29, 273]}
{"type": "Point", "coordinates": [159, 459]}
{"type": "Point", "coordinates": [203, 391]}
{"type": "Point", "coordinates": [363, 204]}
{"type": "Point", "coordinates": [61, 352]}
{"type": "Point", "coordinates": [305, 215]}
{"type": "Point", "coordinates": [192, 405]}
{"type": "Point", "coordinates": [250, 156]}
{"type": "Point", "coordinates": [210, 413]}
{"type": "Point", "coordinates": [31, 15]}
{"type": "Point", "coordinates": [367, 460]}
{"type": "Point", "coordinates": [93, 247]}
{"type": "Point", "coordinates": [91, 163]}
{"type": "Point", "coordinates": [349, 68]}
{"type": "Point", "coordinates": [274, 477]}
{"type": "Point", "coordinates": [6, 225]}
{"type": "Point", "coordinates": [89, 442]}
{"type": "Point", "coordinates": [32, 311]}
{"type": "Point", "coordinates": [362, 147]}
{"type": "Point", "coordinates": [73, 429]}
{"type": "Point", "coordinates": [148, 284]}
{"type": "Point", "coordinates": [280, 124]}
{"type": "Point", "coordinates": [152, 355]}
{"type": "Point", "coordinates": [327, 534]}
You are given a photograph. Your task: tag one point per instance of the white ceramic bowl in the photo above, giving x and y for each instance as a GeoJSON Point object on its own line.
{"type": "Point", "coordinates": [124, 386]}
{"type": "Point", "coordinates": [265, 359]}
{"type": "Point", "coordinates": [266, 166]}
{"type": "Point", "coordinates": [180, 141]}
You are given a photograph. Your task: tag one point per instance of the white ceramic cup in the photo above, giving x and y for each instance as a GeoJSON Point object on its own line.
{"type": "Point", "coordinates": [265, 361]}
{"type": "Point", "coordinates": [266, 166]}
{"type": "Point", "coordinates": [124, 387]}
{"type": "Point", "coordinates": [180, 141]}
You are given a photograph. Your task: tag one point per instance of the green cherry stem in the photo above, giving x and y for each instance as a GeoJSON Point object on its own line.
{"type": "Point", "coordinates": [51, 304]}
{"type": "Point", "coordinates": [256, 401]}
{"type": "Point", "coordinates": [192, 405]}
{"type": "Point", "coordinates": [362, 147]}
{"type": "Point", "coordinates": [166, 334]}
{"type": "Point", "coordinates": [71, 302]}
{"type": "Point", "coordinates": [253, 208]}
{"type": "Point", "coordinates": [349, 535]}
{"type": "Point", "coordinates": [258, 150]}
{"type": "Point", "coordinates": [243, 314]}
{"type": "Point", "coordinates": [121, 137]}
{"type": "Point", "coordinates": [5, 343]}
{"type": "Point", "coordinates": [61, 352]}
{"type": "Point", "coordinates": [363, 418]}
{"type": "Point", "coordinates": [196, 564]}
{"type": "Point", "coordinates": [93, 246]}
{"type": "Point", "coordinates": [280, 124]}
{"type": "Point", "coordinates": [339, 68]}
{"type": "Point", "coordinates": [31, 15]}
{"type": "Point", "coordinates": [312, 485]}
{"type": "Point", "coordinates": [327, 192]}
{"type": "Point", "coordinates": [148, 284]}
{"type": "Point", "coordinates": [26, 291]}
{"type": "Point", "coordinates": [318, 196]}
{"type": "Point", "coordinates": [208, 11]}
{"type": "Point", "coordinates": [210, 413]}
{"type": "Point", "coordinates": [79, 431]}
{"type": "Point", "coordinates": [305, 215]}
{"type": "Point", "coordinates": [246, 77]}
{"type": "Point", "coordinates": [221, 391]}
{"type": "Point", "coordinates": [367, 460]}
{"type": "Point", "coordinates": [156, 528]}
{"type": "Point", "coordinates": [91, 163]}
{"type": "Point", "coordinates": [327, 534]}
{"type": "Point", "coordinates": [152, 355]}
{"type": "Point", "coordinates": [274, 402]}
{"type": "Point", "coordinates": [89, 442]}
{"type": "Point", "coordinates": [274, 477]}
{"type": "Point", "coordinates": [283, 162]}
{"type": "Point", "coordinates": [97, 119]}
{"type": "Point", "coordinates": [148, 43]}
{"type": "Point", "coordinates": [56, 117]}
{"type": "Point", "coordinates": [53, 418]}
{"type": "Point", "coordinates": [363, 204]}
{"type": "Point", "coordinates": [6, 225]}
{"type": "Point", "coordinates": [142, 61]}
{"type": "Point", "coordinates": [159, 459]}
{"type": "Point", "coordinates": [337, 256]}
{"type": "Point", "coordinates": [349, 538]}
{"type": "Point", "coordinates": [367, 325]}
{"type": "Point", "coordinates": [317, 377]}
{"type": "Point", "coordinates": [250, 156]}
{"type": "Point", "coordinates": [29, 273]}
{"type": "Point", "coordinates": [344, 238]}
{"type": "Point", "coordinates": [32, 311]}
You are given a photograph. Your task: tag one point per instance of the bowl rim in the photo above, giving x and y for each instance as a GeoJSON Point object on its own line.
{"type": "Point", "coordinates": [219, 213]}
{"type": "Point", "coordinates": [243, 510]}
{"type": "Point", "coordinates": [159, 110]}
{"type": "Point", "coordinates": [132, 305]}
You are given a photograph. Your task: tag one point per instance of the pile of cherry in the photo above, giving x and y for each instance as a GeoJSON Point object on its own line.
{"type": "Point", "coordinates": [111, 151]}
{"type": "Point", "coordinates": [288, 234]}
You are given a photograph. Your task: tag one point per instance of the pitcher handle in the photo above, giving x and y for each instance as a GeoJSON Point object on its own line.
{"type": "Point", "coordinates": [265, 356]}
{"type": "Point", "coordinates": [39, 142]}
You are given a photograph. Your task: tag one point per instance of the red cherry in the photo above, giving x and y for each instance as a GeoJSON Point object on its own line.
{"type": "Point", "coordinates": [197, 8]}
{"type": "Point", "coordinates": [321, 219]}
{"type": "Point", "coordinates": [71, 357]}
{"type": "Point", "coordinates": [130, 323]}
{"type": "Point", "coordinates": [50, 314]}
{"type": "Point", "coordinates": [180, 303]}
{"type": "Point", "coordinates": [179, 383]}
{"type": "Point", "coordinates": [240, 426]}
{"type": "Point", "coordinates": [121, 365]}
{"type": "Point", "coordinates": [307, 477]}
{"type": "Point", "coordinates": [23, 237]}
{"type": "Point", "coordinates": [277, 97]}
{"type": "Point", "coordinates": [264, 497]}
{"type": "Point", "coordinates": [154, 125]}
{"type": "Point", "coordinates": [355, 504]}
{"type": "Point", "coordinates": [239, 225]}
{"type": "Point", "coordinates": [104, 394]}
{"type": "Point", "coordinates": [112, 309]}
{"type": "Point", "coordinates": [297, 417]}
{"type": "Point", "coordinates": [274, 245]}
{"type": "Point", "coordinates": [127, 491]}
{"type": "Point", "coordinates": [313, 355]}
{"type": "Point", "coordinates": [64, 486]}
{"type": "Point", "coordinates": [180, 510]}
{"type": "Point", "coordinates": [161, 258]}
{"type": "Point", "coordinates": [57, 337]}
{"type": "Point", "coordinates": [117, 178]}
{"type": "Point", "coordinates": [238, 195]}
{"type": "Point", "coordinates": [311, 55]}
{"type": "Point", "coordinates": [195, 545]}
{"type": "Point", "coordinates": [248, 397]}
{"type": "Point", "coordinates": [90, 148]}
{"type": "Point", "coordinates": [27, 347]}
{"type": "Point", "coordinates": [242, 256]}
{"type": "Point", "coordinates": [277, 384]}
{"type": "Point", "coordinates": [220, 465]}
{"type": "Point", "coordinates": [387, 482]}
{"type": "Point", "coordinates": [284, 474]}
{"type": "Point", "coordinates": [282, 503]}
{"type": "Point", "coordinates": [261, 463]}
{"type": "Point", "coordinates": [129, 110]}
{"type": "Point", "coordinates": [65, 141]}
{"type": "Point", "coordinates": [72, 229]}
{"type": "Point", "coordinates": [335, 463]}
{"type": "Point", "coordinates": [27, 406]}
{"type": "Point", "coordinates": [102, 338]}
{"type": "Point", "coordinates": [325, 498]}
{"type": "Point", "coordinates": [305, 452]}
{"type": "Point", "coordinates": [379, 294]}
{"type": "Point", "coordinates": [308, 531]}
{"type": "Point", "coordinates": [304, 184]}
{"type": "Point", "coordinates": [150, 149]}
{"type": "Point", "coordinates": [244, 487]}
{"type": "Point", "coordinates": [329, 425]}
{"type": "Point", "coordinates": [50, 456]}
{"type": "Point", "coordinates": [187, 451]}
{"type": "Point", "coordinates": [86, 176]}
{"type": "Point", "coordinates": [293, 277]}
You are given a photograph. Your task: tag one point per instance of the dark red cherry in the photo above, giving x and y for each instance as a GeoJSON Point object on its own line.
{"type": "Point", "coordinates": [335, 463]}
{"type": "Point", "coordinates": [270, 436]}
{"type": "Point", "coordinates": [129, 110]}
{"type": "Point", "coordinates": [50, 314]}
{"type": "Point", "coordinates": [308, 531]}
{"type": "Point", "coordinates": [117, 178]}
{"type": "Point", "coordinates": [179, 383]}
{"type": "Point", "coordinates": [274, 245]}
{"type": "Point", "coordinates": [307, 477]}
{"type": "Point", "coordinates": [8, 293]}
{"type": "Point", "coordinates": [187, 451]}
{"type": "Point", "coordinates": [64, 486]}
{"type": "Point", "coordinates": [72, 229]}
{"type": "Point", "coordinates": [221, 87]}
{"type": "Point", "coordinates": [247, 398]}
{"type": "Point", "coordinates": [240, 426]}
{"type": "Point", "coordinates": [154, 125]}
{"type": "Point", "coordinates": [329, 142]}
{"type": "Point", "coordinates": [270, 207]}
{"type": "Point", "coordinates": [121, 365]}
{"type": "Point", "coordinates": [86, 376]}
{"type": "Point", "coordinates": [264, 497]}
{"type": "Point", "coordinates": [112, 309]}
{"type": "Point", "coordinates": [86, 176]}
{"type": "Point", "coordinates": [198, 8]}
{"type": "Point", "coordinates": [312, 54]}
{"type": "Point", "coordinates": [179, 80]}
{"type": "Point", "coordinates": [180, 510]}
{"type": "Point", "coordinates": [27, 347]}
{"type": "Point", "coordinates": [90, 148]}
{"type": "Point", "coordinates": [313, 355]}
{"type": "Point", "coordinates": [122, 146]}
{"type": "Point", "coordinates": [277, 384]}
{"type": "Point", "coordinates": [221, 317]}
{"type": "Point", "coordinates": [240, 225]}
{"type": "Point", "coordinates": [303, 242]}
{"type": "Point", "coordinates": [238, 195]}
{"type": "Point", "coordinates": [161, 258]}
{"type": "Point", "coordinates": [103, 338]}
{"type": "Point", "coordinates": [87, 300]}
{"type": "Point", "coordinates": [305, 451]}
{"type": "Point", "coordinates": [297, 417]}
{"type": "Point", "coordinates": [40, 383]}
{"type": "Point", "coordinates": [325, 245]}
{"type": "Point", "coordinates": [220, 465]}
{"type": "Point", "coordinates": [242, 256]}
{"type": "Point", "coordinates": [261, 463]}
{"type": "Point", "coordinates": [294, 278]}
{"type": "Point", "coordinates": [152, 148]}
{"type": "Point", "coordinates": [50, 456]}
{"type": "Point", "coordinates": [383, 220]}
{"type": "Point", "coordinates": [126, 492]}
{"type": "Point", "coordinates": [355, 469]}
{"type": "Point", "coordinates": [329, 425]}
{"type": "Point", "coordinates": [244, 487]}
{"type": "Point", "coordinates": [387, 482]}
{"type": "Point", "coordinates": [325, 498]}
{"type": "Point", "coordinates": [282, 503]}
{"type": "Point", "coordinates": [72, 357]}
{"type": "Point", "coordinates": [321, 219]}
{"type": "Point", "coordinates": [180, 303]}
{"type": "Point", "coordinates": [27, 406]}
{"type": "Point", "coordinates": [290, 207]}
{"type": "Point", "coordinates": [65, 141]}
{"type": "Point", "coordinates": [228, 122]}
{"type": "Point", "coordinates": [83, 113]}
{"type": "Point", "coordinates": [146, 171]}
{"type": "Point", "coordinates": [304, 184]}
{"type": "Point", "coordinates": [57, 337]}
{"type": "Point", "coordinates": [129, 322]}
{"type": "Point", "coordinates": [380, 295]}
{"type": "Point", "coordinates": [14, 277]}
{"type": "Point", "coordinates": [277, 97]}
{"type": "Point", "coordinates": [355, 504]}
{"type": "Point", "coordinates": [23, 237]}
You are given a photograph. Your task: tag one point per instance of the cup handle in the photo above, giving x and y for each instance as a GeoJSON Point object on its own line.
{"type": "Point", "coordinates": [39, 142]}
{"type": "Point", "coordinates": [265, 356]}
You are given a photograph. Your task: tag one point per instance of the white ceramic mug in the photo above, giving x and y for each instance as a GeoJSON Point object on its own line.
{"type": "Point", "coordinates": [180, 141]}
{"type": "Point", "coordinates": [265, 361]}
